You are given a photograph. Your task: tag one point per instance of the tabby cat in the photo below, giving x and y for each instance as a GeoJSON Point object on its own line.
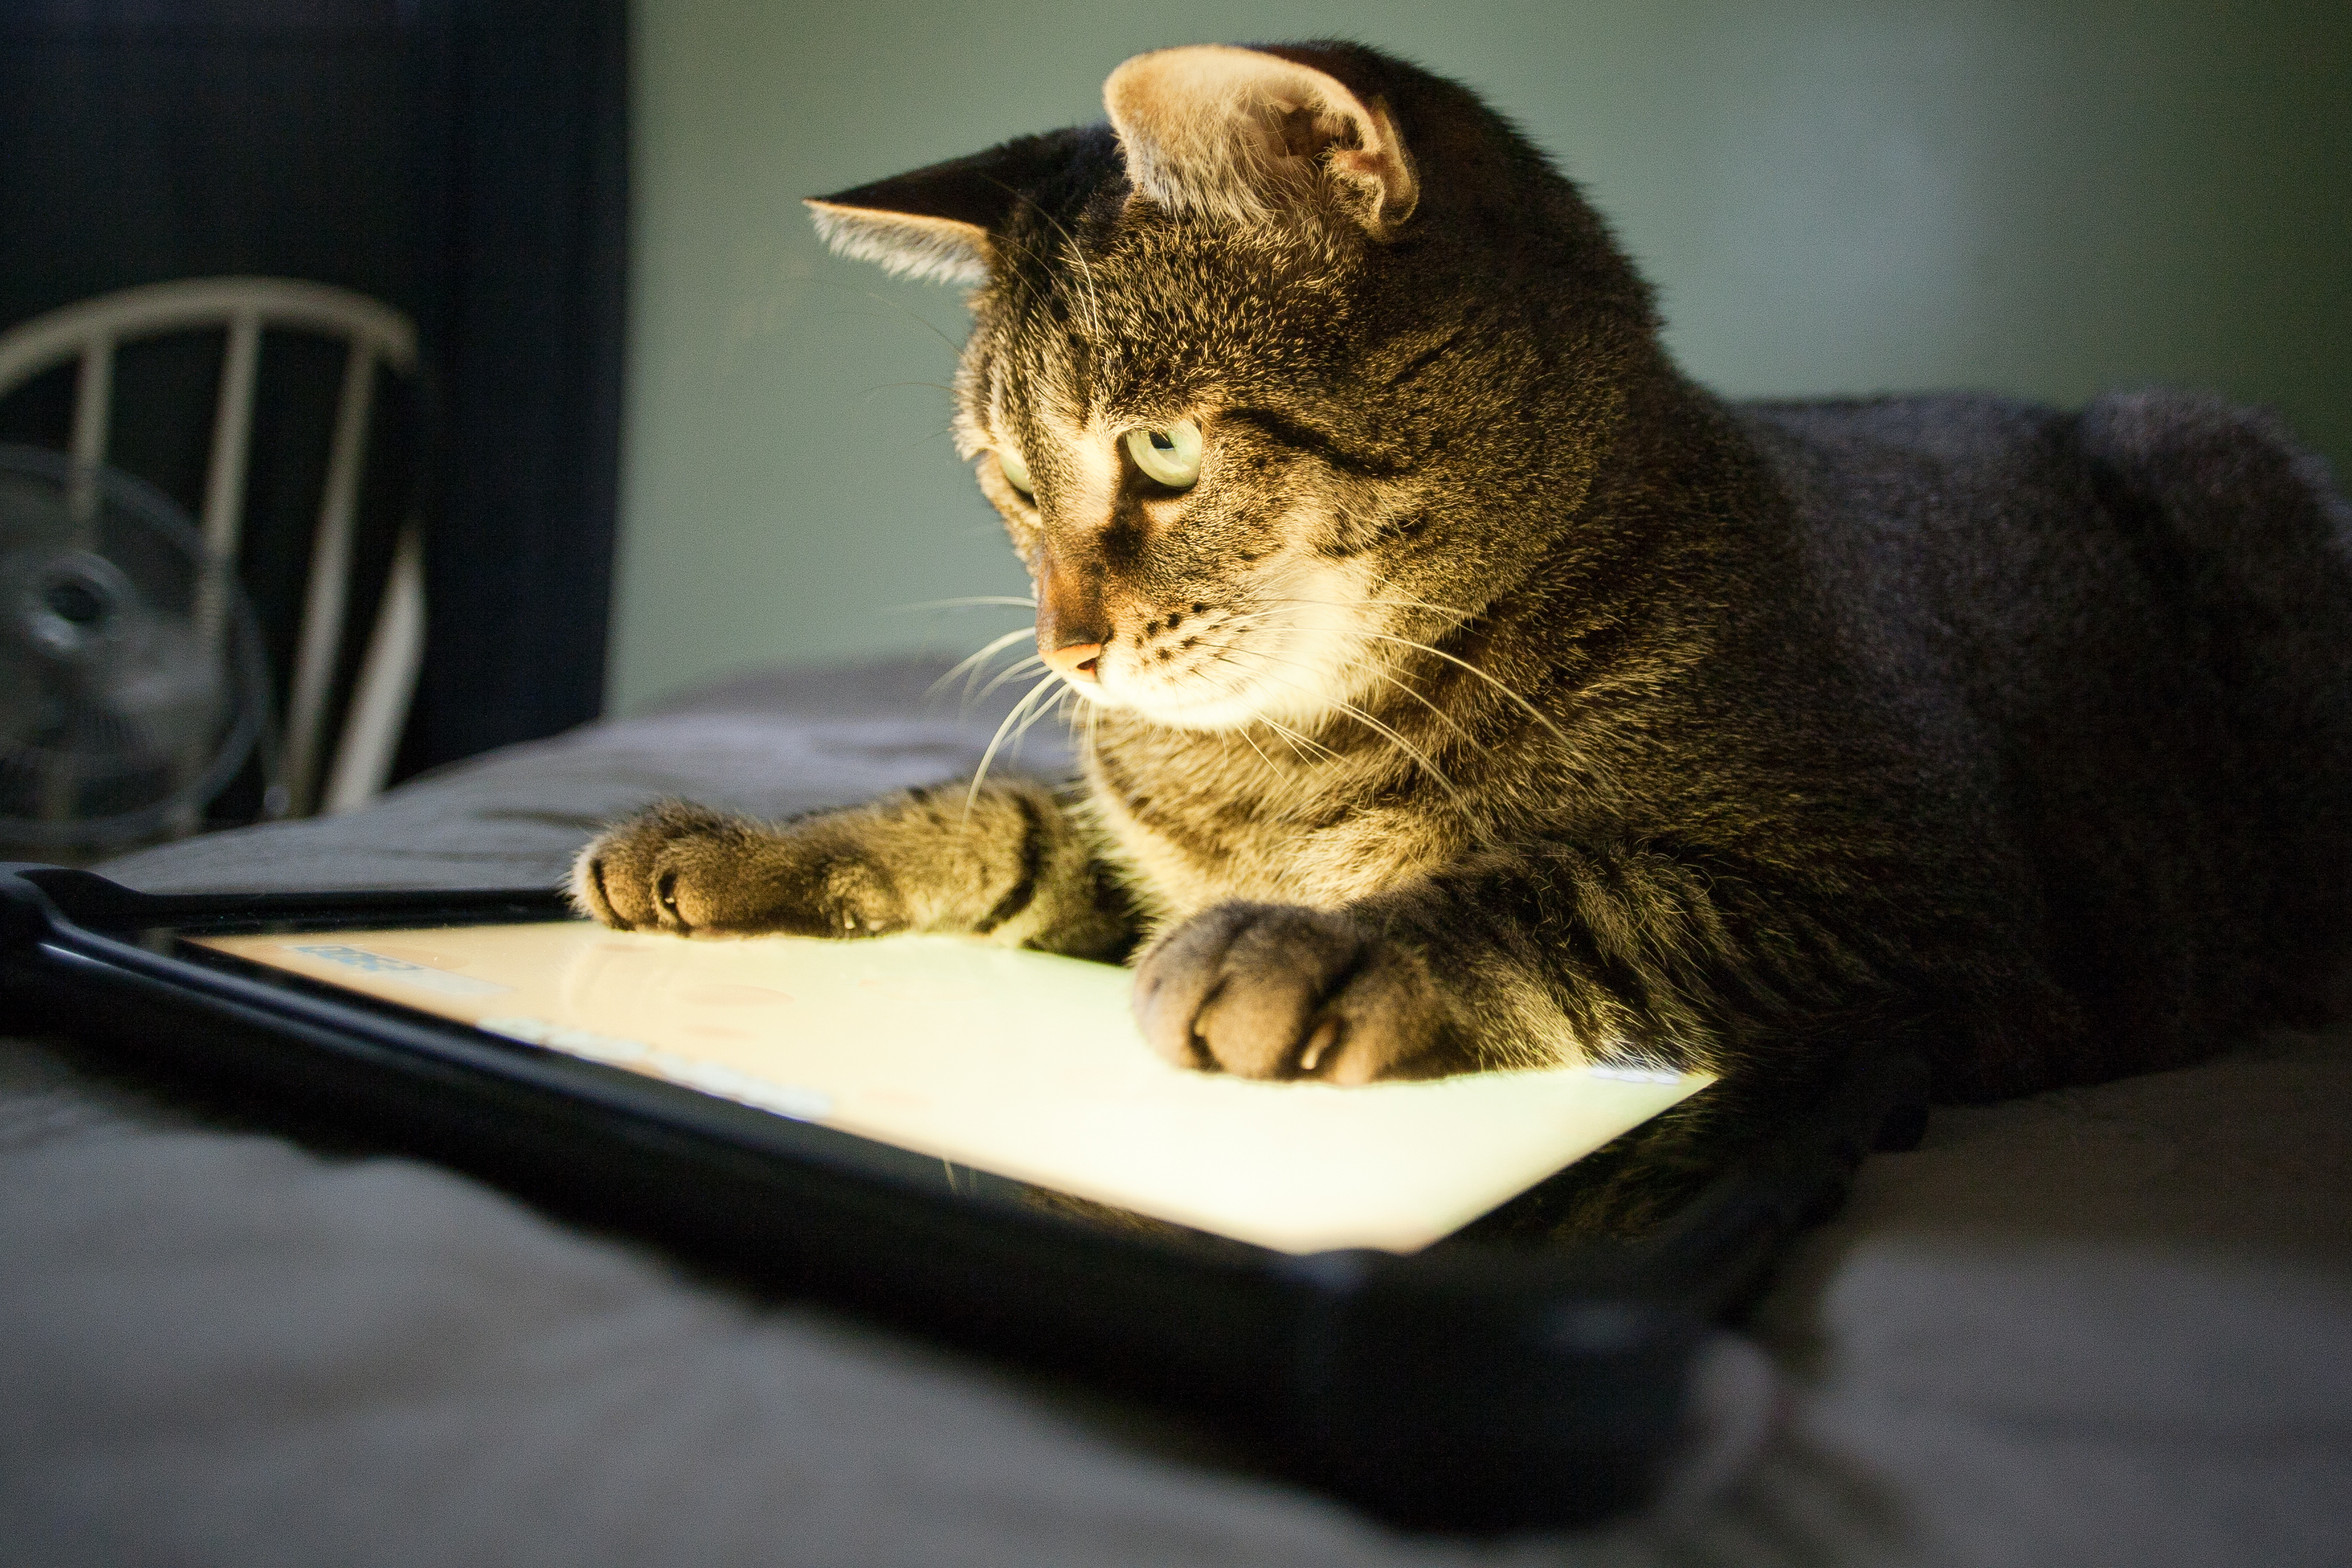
{"type": "Point", "coordinates": [1463, 687]}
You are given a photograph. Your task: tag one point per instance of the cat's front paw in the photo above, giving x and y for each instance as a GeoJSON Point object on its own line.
{"type": "Point", "coordinates": [690, 869]}
{"type": "Point", "coordinates": [1265, 990]}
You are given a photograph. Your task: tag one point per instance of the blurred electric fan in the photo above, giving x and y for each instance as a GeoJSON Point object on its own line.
{"type": "Point", "coordinates": [133, 685]}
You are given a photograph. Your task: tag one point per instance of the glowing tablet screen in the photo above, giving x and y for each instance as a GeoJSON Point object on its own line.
{"type": "Point", "coordinates": [1020, 1063]}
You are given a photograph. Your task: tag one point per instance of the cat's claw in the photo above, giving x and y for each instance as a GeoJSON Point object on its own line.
{"type": "Point", "coordinates": [1266, 991]}
{"type": "Point", "coordinates": [692, 870]}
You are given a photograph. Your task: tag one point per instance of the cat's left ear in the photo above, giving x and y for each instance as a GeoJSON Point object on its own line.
{"type": "Point", "coordinates": [1242, 134]}
{"type": "Point", "coordinates": [936, 224]}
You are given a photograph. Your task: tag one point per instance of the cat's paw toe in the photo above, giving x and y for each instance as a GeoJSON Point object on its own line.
{"type": "Point", "coordinates": [1277, 991]}
{"type": "Point", "coordinates": [618, 877]}
{"type": "Point", "coordinates": [692, 870]}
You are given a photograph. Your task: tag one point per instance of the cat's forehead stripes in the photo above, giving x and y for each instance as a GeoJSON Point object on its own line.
{"type": "Point", "coordinates": [1036, 405]}
{"type": "Point", "coordinates": [1086, 460]}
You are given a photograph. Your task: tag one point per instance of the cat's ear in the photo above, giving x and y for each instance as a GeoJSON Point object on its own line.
{"type": "Point", "coordinates": [1242, 134]}
{"type": "Point", "coordinates": [925, 224]}
{"type": "Point", "coordinates": [937, 222]}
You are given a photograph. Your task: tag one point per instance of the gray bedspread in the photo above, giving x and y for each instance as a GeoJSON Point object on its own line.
{"type": "Point", "coordinates": [2110, 1325]}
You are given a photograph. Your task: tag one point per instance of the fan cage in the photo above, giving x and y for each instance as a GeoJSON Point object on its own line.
{"type": "Point", "coordinates": [133, 527]}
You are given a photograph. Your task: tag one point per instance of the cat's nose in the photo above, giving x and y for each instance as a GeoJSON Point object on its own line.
{"type": "Point", "coordinates": [1076, 662]}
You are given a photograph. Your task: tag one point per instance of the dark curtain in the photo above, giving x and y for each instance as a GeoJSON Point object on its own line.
{"type": "Point", "coordinates": [462, 160]}
{"type": "Point", "coordinates": [523, 237]}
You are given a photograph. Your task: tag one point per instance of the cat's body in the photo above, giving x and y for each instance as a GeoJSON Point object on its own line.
{"type": "Point", "coordinates": [1464, 687]}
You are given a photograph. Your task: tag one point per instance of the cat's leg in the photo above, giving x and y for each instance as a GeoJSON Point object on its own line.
{"type": "Point", "coordinates": [1535, 957]}
{"type": "Point", "coordinates": [1012, 865]}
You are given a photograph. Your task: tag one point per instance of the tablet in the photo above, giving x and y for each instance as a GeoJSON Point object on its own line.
{"type": "Point", "coordinates": [1024, 1065]}
{"type": "Point", "coordinates": [974, 1141]}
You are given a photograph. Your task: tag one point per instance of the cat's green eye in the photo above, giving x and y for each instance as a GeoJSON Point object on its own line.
{"type": "Point", "coordinates": [1016, 472]}
{"type": "Point", "coordinates": [1170, 456]}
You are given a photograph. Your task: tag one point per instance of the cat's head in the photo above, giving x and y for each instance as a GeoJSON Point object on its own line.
{"type": "Point", "coordinates": [1303, 357]}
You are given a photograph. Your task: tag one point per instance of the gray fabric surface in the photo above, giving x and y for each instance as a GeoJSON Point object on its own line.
{"type": "Point", "coordinates": [2102, 1326]}
{"type": "Point", "coordinates": [771, 743]}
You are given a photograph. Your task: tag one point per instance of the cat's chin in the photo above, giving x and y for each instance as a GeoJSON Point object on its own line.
{"type": "Point", "coordinates": [1209, 713]}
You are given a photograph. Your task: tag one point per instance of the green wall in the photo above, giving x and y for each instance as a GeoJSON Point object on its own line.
{"type": "Point", "coordinates": [2044, 200]}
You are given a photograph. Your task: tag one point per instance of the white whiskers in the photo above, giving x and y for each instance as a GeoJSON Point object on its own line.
{"type": "Point", "coordinates": [1028, 603]}
{"type": "Point", "coordinates": [1533, 712]}
{"type": "Point", "coordinates": [974, 662]}
{"type": "Point", "coordinates": [1421, 759]}
{"type": "Point", "coordinates": [1012, 671]}
{"type": "Point", "coordinates": [1028, 700]}
{"type": "Point", "coordinates": [1402, 744]}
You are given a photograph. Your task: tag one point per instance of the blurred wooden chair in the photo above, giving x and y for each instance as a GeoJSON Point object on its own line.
{"type": "Point", "coordinates": [89, 332]}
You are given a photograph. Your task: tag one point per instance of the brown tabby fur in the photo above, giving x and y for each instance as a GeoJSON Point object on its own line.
{"type": "Point", "coordinates": [1499, 697]}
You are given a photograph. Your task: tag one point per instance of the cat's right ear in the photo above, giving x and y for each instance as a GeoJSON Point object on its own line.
{"type": "Point", "coordinates": [938, 223]}
{"type": "Point", "coordinates": [1239, 133]}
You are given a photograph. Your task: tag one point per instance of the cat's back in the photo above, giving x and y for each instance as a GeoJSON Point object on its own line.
{"type": "Point", "coordinates": [2128, 628]}
{"type": "Point", "coordinates": [1948, 538]}
{"type": "Point", "coordinates": [2015, 552]}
